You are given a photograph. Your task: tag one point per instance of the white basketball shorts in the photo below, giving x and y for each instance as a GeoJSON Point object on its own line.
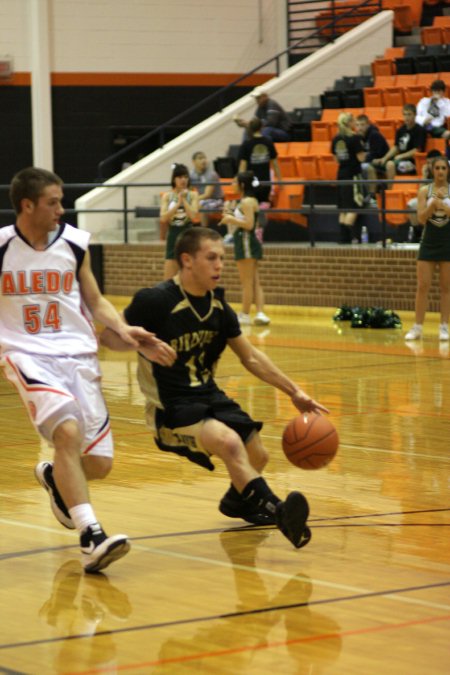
{"type": "Point", "coordinates": [58, 388]}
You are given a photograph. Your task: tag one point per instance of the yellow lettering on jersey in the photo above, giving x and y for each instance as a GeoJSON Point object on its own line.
{"type": "Point", "coordinates": [188, 341]}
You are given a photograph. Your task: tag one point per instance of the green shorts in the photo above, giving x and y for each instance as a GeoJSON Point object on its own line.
{"type": "Point", "coordinates": [172, 236]}
{"type": "Point", "coordinates": [436, 132]}
{"type": "Point", "coordinates": [246, 245]}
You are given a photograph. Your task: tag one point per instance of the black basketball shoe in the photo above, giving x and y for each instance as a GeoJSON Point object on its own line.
{"type": "Point", "coordinates": [235, 507]}
{"type": "Point", "coordinates": [44, 474]}
{"type": "Point", "coordinates": [291, 516]}
{"type": "Point", "coordinates": [98, 550]}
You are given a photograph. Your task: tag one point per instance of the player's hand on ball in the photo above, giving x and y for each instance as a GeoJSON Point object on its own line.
{"type": "Point", "coordinates": [305, 403]}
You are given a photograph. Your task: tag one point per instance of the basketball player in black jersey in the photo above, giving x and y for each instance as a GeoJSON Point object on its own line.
{"type": "Point", "coordinates": [190, 414]}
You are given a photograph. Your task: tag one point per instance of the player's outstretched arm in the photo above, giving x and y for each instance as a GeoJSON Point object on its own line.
{"type": "Point", "coordinates": [257, 363]}
{"type": "Point", "coordinates": [148, 344]}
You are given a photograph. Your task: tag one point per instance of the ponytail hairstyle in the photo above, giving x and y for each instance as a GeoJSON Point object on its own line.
{"type": "Point", "coordinates": [247, 181]}
{"type": "Point", "coordinates": [345, 124]}
{"type": "Point", "coordinates": [179, 170]}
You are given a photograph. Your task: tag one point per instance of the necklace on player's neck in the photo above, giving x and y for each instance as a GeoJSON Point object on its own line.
{"type": "Point", "coordinates": [191, 306]}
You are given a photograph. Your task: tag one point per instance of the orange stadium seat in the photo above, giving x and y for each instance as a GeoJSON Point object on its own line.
{"type": "Point", "coordinates": [319, 147]}
{"type": "Point", "coordinates": [420, 159]}
{"type": "Point", "coordinates": [382, 67]}
{"type": "Point", "coordinates": [373, 97]}
{"type": "Point", "coordinates": [321, 131]}
{"type": "Point", "coordinates": [393, 96]}
{"type": "Point", "coordinates": [328, 166]}
{"type": "Point", "coordinates": [308, 167]}
{"type": "Point", "coordinates": [446, 35]}
{"type": "Point", "coordinates": [435, 144]}
{"type": "Point", "coordinates": [383, 81]}
{"type": "Point", "coordinates": [441, 21]}
{"type": "Point", "coordinates": [282, 149]}
{"type": "Point", "coordinates": [330, 114]}
{"type": "Point", "coordinates": [229, 191]}
{"type": "Point", "coordinates": [394, 199]}
{"type": "Point", "coordinates": [387, 128]}
{"type": "Point", "coordinates": [374, 113]}
{"type": "Point", "coordinates": [406, 81]}
{"type": "Point", "coordinates": [432, 35]}
{"type": "Point", "coordinates": [394, 52]}
{"type": "Point", "coordinates": [394, 112]}
{"type": "Point", "coordinates": [415, 93]}
{"type": "Point", "coordinates": [425, 79]}
{"type": "Point", "coordinates": [290, 197]}
{"type": "Point", "coordinates": [298, 148]}
{"type": "Point", "coordinates": [288, 166]}
{"type": "Point", "coordinates": [403, 15]}
{"type": "Point", "coordinates": [404, 185]}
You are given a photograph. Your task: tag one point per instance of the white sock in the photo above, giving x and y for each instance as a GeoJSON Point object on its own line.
{"type": "Point", "coordinates": [82, 516]}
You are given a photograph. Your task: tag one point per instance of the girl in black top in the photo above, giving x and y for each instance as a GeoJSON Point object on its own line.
{"type": "Point", "coordinates": [348, 148]}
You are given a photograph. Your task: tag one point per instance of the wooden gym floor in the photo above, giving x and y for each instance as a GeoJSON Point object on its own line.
{"type": "Point", "coordinates": [199, 593]}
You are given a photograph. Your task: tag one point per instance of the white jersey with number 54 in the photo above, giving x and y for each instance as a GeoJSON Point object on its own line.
{"type": "Point", "coordinates": [41, 309]}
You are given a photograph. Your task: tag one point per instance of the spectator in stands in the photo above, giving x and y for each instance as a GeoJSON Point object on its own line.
{"type": "Point", "coordinates": [248, 248]}
{"type": "Point", "coordinates": [275, 121]}
{"type": "Point", "coordinates": [348, 148]}
{"type": "Point", "coordinates": [409, 139]}
{"type": "Point", "coordinates": [433, 211]}
{"type": "Point", "coordinates": [258, 154]}
{"type": "Point", "coordinates": [375, 146]}
{"type": "Point", "coordinates": [432, 111]}
{"type": "Point", "coordinates": [206, 180]}
{"type": "Point", "coordinates": [179, 211]}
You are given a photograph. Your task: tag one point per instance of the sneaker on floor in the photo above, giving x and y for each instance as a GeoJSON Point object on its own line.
{"type": "Point", "coordinates": [291, 516]}
{"type": "Point", "coordinates": [234, 507]}
{"type": "Point", "coordinates": [415, 333]}
{"type": "Point", "coordinates": [228, 239]}
{"type": "Point", "coordinates": [261, 319]}
{"type": "Point", "coordinates": [443, 332]}
{"type": "Point", "coordinates": [244, 319]}
{"type": "Point", "coordinates": [98, 550]}
{"type": "Point", "coordinates": [44, 474]}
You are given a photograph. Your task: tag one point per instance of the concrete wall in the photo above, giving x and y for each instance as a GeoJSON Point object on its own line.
{"type": "Point", "coordinates": [149, 36]}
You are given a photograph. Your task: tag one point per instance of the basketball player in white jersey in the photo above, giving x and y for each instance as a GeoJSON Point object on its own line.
{"type": "Point", "coordinates": [48, 298]}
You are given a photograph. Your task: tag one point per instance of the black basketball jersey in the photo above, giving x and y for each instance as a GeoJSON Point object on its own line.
{"type": "Point", "coordinates": [196, 327]}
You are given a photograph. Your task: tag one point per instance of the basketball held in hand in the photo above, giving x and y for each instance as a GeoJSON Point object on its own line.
{"type": "Point", "coordinates": [310, 441]}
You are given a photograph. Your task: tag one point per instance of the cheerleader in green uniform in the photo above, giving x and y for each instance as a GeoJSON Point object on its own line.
{"type": "Point", "coordinates": [247, 248]}
{"type": "Point", "coordinates": [179, 211]}
{"type": "Point", "coordinates": [433, 211]}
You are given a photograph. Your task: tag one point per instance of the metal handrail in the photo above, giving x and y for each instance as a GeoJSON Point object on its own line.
{"type": "Point", "coordinates": [159, 131]}
{"type": "Point", "coordinates": [303, 210]}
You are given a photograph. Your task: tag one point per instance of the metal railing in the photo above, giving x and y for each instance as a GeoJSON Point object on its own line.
{"type": "Point", "coordinates": [327, 33]}
{"type": "Point", "coordinates": [311, 208]}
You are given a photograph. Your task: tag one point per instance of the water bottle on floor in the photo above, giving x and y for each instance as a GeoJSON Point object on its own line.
{"type": "Point", "coordinates": [364, 235]}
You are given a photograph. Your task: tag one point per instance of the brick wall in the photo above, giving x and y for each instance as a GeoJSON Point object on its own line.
{"type": "Point", "coordinates": [291, 275]}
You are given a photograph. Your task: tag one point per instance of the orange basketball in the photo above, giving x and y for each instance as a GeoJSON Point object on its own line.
{"type": "Point", "coordinates": [310, 441]}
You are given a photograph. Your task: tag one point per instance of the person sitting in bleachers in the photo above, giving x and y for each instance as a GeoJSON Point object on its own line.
{"type": "Point", "coordinates": [375, 146]}
{"type": "Point", "coordinates": [432, 111]}
{"type": "Point", "coordinates": [409, 139]}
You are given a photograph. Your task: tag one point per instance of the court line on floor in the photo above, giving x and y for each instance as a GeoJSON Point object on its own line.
{"type": "Point", "coordinates": [279, 575]}
{"type": "Point", "coordinates": [366, 448]}
{"type": "Point", "coordinates": [261, 646]}
{"type": "Point", "coordinates": [214, 530]}
{"type": "Point", "coordinates": [230, 615]}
